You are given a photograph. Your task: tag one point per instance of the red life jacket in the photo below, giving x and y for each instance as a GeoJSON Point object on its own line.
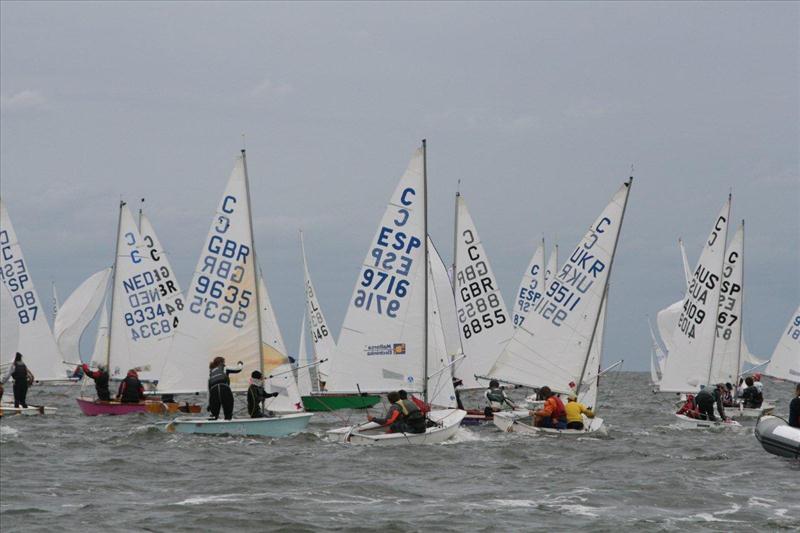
{"type": "Point", "coordinates": [559, 413]}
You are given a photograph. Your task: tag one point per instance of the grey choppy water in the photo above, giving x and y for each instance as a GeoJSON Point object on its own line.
{"type": "Point", "coordinates": [73, 472]}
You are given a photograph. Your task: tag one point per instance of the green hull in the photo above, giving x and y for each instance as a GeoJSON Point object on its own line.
{"type": "Point", "coordinates": [335, 402]}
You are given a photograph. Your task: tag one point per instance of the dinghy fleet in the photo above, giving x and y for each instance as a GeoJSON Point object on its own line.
{"type": "Point", "coordinates": [412, 324]}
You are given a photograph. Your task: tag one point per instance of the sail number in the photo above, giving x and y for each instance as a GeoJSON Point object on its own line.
{"type": "Point", "coordinates": [384, 284]}
{"type": "Point", "coordinates": [319, 329]}
{"type": "Point", "coordinates": [728, 296]}
{"type": "Point", "coordinates": [14, 274]}
{"type": "Point", "coordinates": [153, 301]}
{"type": "Point", "coordinates": [794, 329]}
{"type": "Point", "coordinates": [527, 296]}
{"type": "Point", "coordinates": [479, 304]}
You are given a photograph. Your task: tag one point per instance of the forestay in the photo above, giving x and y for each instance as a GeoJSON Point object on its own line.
{"type": "Point", "coordinates": [220, 317]}
{"type": "Point", "coordinates": [552, 346]}
{"type": "Point", "coordinates": [785, 362]}
{"type": "Point", "coordinates": [77, 313]}
{"type": "Point", "coordinates": [689, 359]}
{"type": "Point", "coordinates": [726, 361]}
{"type": "Point", "coordinates": [36, 342]}
{"type": "Point", "coordinates": [531, 287]}
{"type": "Point", "coordinates": [483, 320]}
{"type": "Point", "coordinates": [323, 344]}
{"type": "Point", "coordinates": [380, 347]}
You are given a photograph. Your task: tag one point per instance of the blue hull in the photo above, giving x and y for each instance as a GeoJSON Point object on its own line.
{"type": "Point", "coordinates": [278, 426]}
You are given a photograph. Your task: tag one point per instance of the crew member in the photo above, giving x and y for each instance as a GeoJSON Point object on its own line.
{"type": "Point", "coordinates": [552, 414]}
{"type": "Point", "coordinates": [496, 397]}
{"type": "Point", "coordinates": [751, 396]}
{"type": "Point", "coordinates": [794, 408]}
{"type": "Point", "coordinates": [403, 416]}
{"type": "Point", "coordinates": [422, 406]}
{"type": "Point", "coordinates": [705, 404]}
{"type": "Point", "coordinates": [689, 408]}
{"type": "Point", "coordinates": [456, 384]}
{"type": "Point", "coordinates": [100, 377]}
{"type": "Point", "coordinates": [131, 389]}
{"type": "Point", "coordinates": [757, 382]}
{"type": "Point", "coordinates": [219, 387]}
{"type": "Point", "coordinates": [22, 379]}
{"type": "Point", "coordinates": [573, 410]}
{"type": "Point", "coordinates": [256, 394]}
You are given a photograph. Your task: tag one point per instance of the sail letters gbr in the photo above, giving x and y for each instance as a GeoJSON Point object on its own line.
{"type": "Point", "coordinates": [384, 282]}
{"type": "Point", "coordinates": [219, 293]}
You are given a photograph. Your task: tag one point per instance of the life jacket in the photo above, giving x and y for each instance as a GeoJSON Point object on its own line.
{"type": "Point", "coordinates": [218, 376]}
{"type": "Point", "coordinates": [412, 416]}
{"type": "Point", "coordinates": [20, 373]}
{"type": "Point", "coordinates": [101, 382]}
{"type": "Point", "coordinates": [496, 395]}
{"type": "Point", "coordinates": [131, 393]}
{"type": "Point", "coordinates": [559, 413]}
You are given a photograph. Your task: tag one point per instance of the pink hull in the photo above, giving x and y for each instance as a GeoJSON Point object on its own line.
{"type": "Point", "coordinates": [94, 408]}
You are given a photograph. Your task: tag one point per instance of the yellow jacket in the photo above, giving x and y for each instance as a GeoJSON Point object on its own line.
{"type": "Point", "coordinates": [574, 410]}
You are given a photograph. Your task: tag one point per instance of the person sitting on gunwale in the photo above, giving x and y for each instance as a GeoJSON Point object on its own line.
{"type": "Point", "coordinates": [552, 415]}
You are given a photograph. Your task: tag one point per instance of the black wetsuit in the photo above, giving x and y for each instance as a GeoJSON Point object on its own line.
{"type": "Point", "coordinates": [100, 378]}
{"type": "Point", "coordinates": [20, 375]}
{"type": "Point", "coordinates": [794, 412]}
{"type": "Point", "coordinates": [705, 402]}
{"type": "Point", "coordinates": [255, 395]}
{"type": "Point", "coordinates": [219, 391]}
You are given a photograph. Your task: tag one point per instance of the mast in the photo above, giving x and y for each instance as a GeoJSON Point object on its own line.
{"type": "Point", "coordinates": [455, 242]}
{"type": "Point", "coordinates": [255, 262]}
{"type": "Point", "coordinates": [113, 287]}
{"type": "Point", "coordinates": [605, 288]}
{"type": "Point", "coordinates": [427, 267]}
{"type": "Point", "coordinates": [741, 317]}
{"type": "Point", "coordinates": [716, 309]}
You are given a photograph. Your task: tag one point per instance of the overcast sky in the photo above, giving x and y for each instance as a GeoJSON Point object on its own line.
{"type": "Point", "coordinates": [539, 109]}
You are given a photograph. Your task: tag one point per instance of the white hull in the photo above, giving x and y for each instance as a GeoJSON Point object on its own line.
{"type": "Point", "coordinates": [520, 421]}
{"type": "Point", "coordinates": [277, 426]}
{"type": "Point", "coordinates": [32, 410]}
{"type": "Point", "coordinates": [742, 413]}
{"type": "Point", "coordinates": [448, 422]}
{"type": "Point", "coordinates": [694, 423]}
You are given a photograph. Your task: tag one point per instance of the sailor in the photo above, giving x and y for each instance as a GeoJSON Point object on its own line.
{"type": "Point", "coordinates": [131, 389]}
{"type": "Point", "coordinates": [219, 387]}
{"type": "Point", "coordinates": [456, 384]}
{"type": "Point", "coordinates": [552, 415]}
{"type": "Point", "coordinates": [422, 406]}
{"type": "Point", "coordinates": [757, 382]}
{"type": "Point", "coordinates": [727, 397]}
{"type": "Point", "coordinates": [22, 379]}
{"type": "Point", "coordinates": [574, 409]}
{"type": "Point", "coordinates": [706, 401]}
{"type": "Point", "coordinates": [256, 394]}
{"type": "Point", "coordinates": [403, 416]}
{"type": "Point", "coordinates": [751, 395]}
{"type": "Point", "coordinates": [100, 377]}
{"type": "Point", "coordinates": [496, 397]}
{"type": "Point", "coordinates": [689, 408]}
{"type": "Point", "coordinates": [794, 408]}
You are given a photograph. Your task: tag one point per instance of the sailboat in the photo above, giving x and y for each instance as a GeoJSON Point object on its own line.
{"type": "Point", "coordinates": [785, 360]}
{"type": "Point", "coordinates": [145, 303]}
{"type": "Point", "coordinates": [36, 342]}
{"type": "Point", "coordinates": [390, 338]}
{"type": "Point", "coordinates": [690, 361]}
{"type": "Point", "coordinates": [560, 342]}
{"type": "Point", "coordinates": [323, 346]}
{"type": "Point", "coordinates": [228, 313]}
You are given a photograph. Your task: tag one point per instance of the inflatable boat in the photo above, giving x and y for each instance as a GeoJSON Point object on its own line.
{"type": "Point", "coordinates": [778, 437]}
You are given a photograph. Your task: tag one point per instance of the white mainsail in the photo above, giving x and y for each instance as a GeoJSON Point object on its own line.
{"type": "Point", "coordinates": [483, 320]}
{"type": "Point", "coordinates": [36, 342]}
{"type": "Point", "coordinates": [145, 303]}
{"type": "Point", "coordinates": [688, 363]}
{"type": "Point", "coordinates": [220, 316]}
{"type": "Point", "coordinates": [100, 351]}
{"type": "Point", "coordinates": [77, 313]}
{"type": "Point", "coordinates": [440, 378]}
{"type": "Point", "coordinates": [726, 361]}
{"type": "Point", "coordinates": [785, 362]}
{"type": "Point", "coordinates": [9, 327]}
{"type": "Point", "coordinates": [531, 288]}
{"type": "Point", "coordinates": [381, 345]}
{"type": "Point", "coordinates": [323, 344]}
{"type": "Point", "coordinates": [304, 378]}
{"type": "Point", "coordinates": [552, 346]}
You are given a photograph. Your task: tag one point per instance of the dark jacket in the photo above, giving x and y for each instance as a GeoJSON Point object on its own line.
{"type": "Point", "coordinates": [255, 395]}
